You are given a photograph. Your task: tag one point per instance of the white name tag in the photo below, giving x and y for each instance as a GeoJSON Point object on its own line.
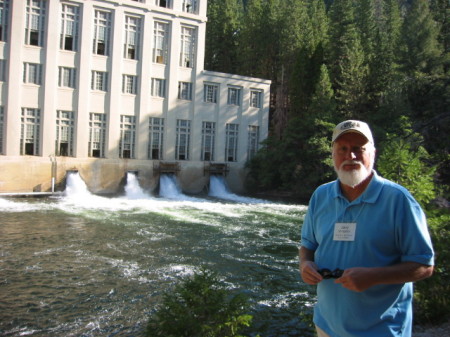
{"type": "Point", "coordinates": [344, 231]}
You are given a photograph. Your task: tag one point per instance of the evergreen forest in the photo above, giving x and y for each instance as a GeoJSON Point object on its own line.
{"type": "Point", "coordinates": [386, 62]}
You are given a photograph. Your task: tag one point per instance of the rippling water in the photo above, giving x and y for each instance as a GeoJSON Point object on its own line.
{"type": "Point", "coordinates": [92, 266]}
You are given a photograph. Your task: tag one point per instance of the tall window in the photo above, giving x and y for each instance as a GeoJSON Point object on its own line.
{"type": "Point", "coordinates": [2, 70]}
{"type": "Point", "coordinates": [187, 47]}
{"type": "Point", "coordinates": [70, 22]}
{"type": "Point", "coordinates": [234, 96]}
{"type": "Point", "coordinates": [127, 136]}
{"type": "Point", "coordinates": [67, 77]}
{"type": "Point", "coordinates": [208, 138]}
{"type": "Point", "coordinates": [2, 126]}
{"type": "Point", "coordinates": [163, 3]}
{"type": "Point", "coordinates": [32, 73]}
{"type": "Point", "coordinates": [185, 90]}
{"type": "Point", "coordinates": [158, 87]}
{"type": "Point", "coordinates": [4, 15]}
{"type": "Point", "coordinates": [129, 84]}
{"type": "Point", "coordinates": [189, 6]}
{"type": "Point", "coordinates": [65, 129]}
{"type": "Point", "coordinates": [255, 98]}
{"type": "Point", "coordinates": [160, 42]}
{"type": "Point", "coordinates": [102, 31]}
{"type": "Point", "coordinates": [183, 139]}
{"type": "Point", "coordinates": [155, 145]}
{"type": "Point", "coordinates": [210, 93]}
{"type": "Point", "coordinates": [132, 37]}
{"type": "Point", "coordinates": [30, 131]}
{"type": "Point", "coordinates": [99, 80]}
{"type": "Point", "coordinates": [253, 141]}
{"type": "Point", "coordinates": [97, 135]}
{"type": "Point", "coordinates": [35, 22]}
{"type": "Point", "coordinates": [231, 142]}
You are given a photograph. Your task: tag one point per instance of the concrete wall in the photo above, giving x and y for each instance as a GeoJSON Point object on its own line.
{"type": "Point", "coordinates": [103, 176]}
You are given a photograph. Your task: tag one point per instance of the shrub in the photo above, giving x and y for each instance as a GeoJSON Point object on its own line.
{"type": "Point", "coordinates": [432, 295]}
{"type": "Point", "coordinates": [200, 306]}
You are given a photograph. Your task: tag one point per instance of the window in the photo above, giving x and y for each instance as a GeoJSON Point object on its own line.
{"type": "Point", "coordinates": [253, 141]}
{"type": "Point", "coordinates": [189, 6]}
{"type": "Point", "coordinates": [183, 138]}
{"type": "Point", "coordinates": [67, 77]}
{"type": "Point", "coordinates": [155, 145]}
{"type": "Point", "coordinates": [132, 37]}
{"type": "Point", "coordinates": [208, 138]}
{"type": "Point", "coordinates": [4, 15]}
{"type": "Point", "coordinates": [187, 47]}
{"type": "Point", "coordinates": [35, 21]}
{"type": "Point", "coordinates": [158, 87]}
{"type": "Point", "coordinates": [30, 132]}
{"type": "Point", "coordinates": [127, 136]}
{"type": "Point", "coordinates": [70, 22]}
{"type": "Point", "coordinates": [2, 125]}
{"type": "Point", "coordinates": [163, 3]}
{"type": "Point", "coordinates": [210, 93]}
{"type": "Point", "coordinates": [99, 80]}
{"type": "Point", "coordinates": [234, 96]}
{"type": "Point", "coordinates": [2, 70]}
{"type": "Point", "coordinates": [160, 42]}
{"type": "Point", "coordinates": [65, 129]}
{"type": "Point", "coordinates": [32, 73]}
{"type": "Point", "coordinates": [129, 84]}
{"type": "Point", "coordinates": [185, 90]}
{"type": "Point", "coordinates": [97, 135]}
{"type": "Point", "coordinates": [255, 98]}
{"type": "Point", "coordinates": [102, 29]}
{"type": "Point", "coordinates": [231, 142]}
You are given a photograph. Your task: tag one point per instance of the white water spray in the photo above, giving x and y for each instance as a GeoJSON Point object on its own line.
{"type": "Point", "coordinates": [218, 189]}
{"type": "Point", "coordinates": [169, 188]}
{"type": "Point", "coordinates": [75, 186]}
{"type": "Point", "coordinates": [132, 188]}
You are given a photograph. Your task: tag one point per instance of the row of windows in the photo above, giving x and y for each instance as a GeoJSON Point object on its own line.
{"type": "Point", "coordinates": [32, 74]}
{"type": "Point", "coordinates": [70, 20]}
{"type": "Point", "coordinates": [65, 131]}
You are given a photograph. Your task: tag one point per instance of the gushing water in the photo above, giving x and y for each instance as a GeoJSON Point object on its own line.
{"type": "Point", "coordinates": [75, 186]}
{"type": "Point", "coordinates": [132, 189]}
{"type": "Point", "coordinates": [169, 188]}
{"type": "Point", "coordinates": [218, 189]}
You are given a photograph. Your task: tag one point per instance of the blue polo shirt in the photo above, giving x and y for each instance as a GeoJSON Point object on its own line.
{"type": "Point", "coordinates": [390, 228]}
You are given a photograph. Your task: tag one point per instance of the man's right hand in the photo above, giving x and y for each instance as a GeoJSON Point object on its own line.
{"type": "Point", "coordinates": [309, 273]}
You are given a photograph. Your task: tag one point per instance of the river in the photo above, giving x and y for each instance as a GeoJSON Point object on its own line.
{"type": "Point", "coordinates": [85, 265]}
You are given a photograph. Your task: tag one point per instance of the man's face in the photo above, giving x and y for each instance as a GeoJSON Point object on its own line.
{"type": "Point", "coordinates": [353, 158]}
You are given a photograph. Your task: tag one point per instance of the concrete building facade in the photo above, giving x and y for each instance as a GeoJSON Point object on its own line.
{"type": "Point", "coordinates": [106, 87]}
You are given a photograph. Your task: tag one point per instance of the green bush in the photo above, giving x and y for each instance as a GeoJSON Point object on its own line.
{"type": "Point", "coordinates": [432, 304]}
{"type": "Point", "coordinates": [200, 306]}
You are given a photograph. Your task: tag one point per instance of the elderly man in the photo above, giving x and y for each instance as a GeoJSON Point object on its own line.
{"type": "Point", "coordinates": [364, 240]}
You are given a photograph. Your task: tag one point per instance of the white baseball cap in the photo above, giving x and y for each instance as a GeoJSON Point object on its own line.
{"type": "Point", "coordinates": [352, 126]}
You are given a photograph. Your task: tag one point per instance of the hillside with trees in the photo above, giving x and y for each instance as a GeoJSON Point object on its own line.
{"type": "Point", "coordinates": [386, 62]}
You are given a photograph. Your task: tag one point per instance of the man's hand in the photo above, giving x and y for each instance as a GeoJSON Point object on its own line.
{"type": "Point", "coordinates": [308, 270]}
{"type": "Point", "coordinates": [356, 279]}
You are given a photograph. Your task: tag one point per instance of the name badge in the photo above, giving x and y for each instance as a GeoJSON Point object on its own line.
{"type": "Point", "coordinates": [344, 231]}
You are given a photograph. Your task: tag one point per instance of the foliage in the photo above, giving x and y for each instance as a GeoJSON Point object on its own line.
{"type": "Point", "coordinates": [200, 307]}
{"type": "Point", "coordinates": [408, 169]}
{"type": "Point", "coordinates": [432, 295]}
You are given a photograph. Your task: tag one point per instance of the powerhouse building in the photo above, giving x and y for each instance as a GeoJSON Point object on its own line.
{"type": "Point", "coordinates": [106, 87]}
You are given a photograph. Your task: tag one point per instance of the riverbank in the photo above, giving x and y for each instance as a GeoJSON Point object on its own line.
{"type": "Point", "coordinates": [432, 331]}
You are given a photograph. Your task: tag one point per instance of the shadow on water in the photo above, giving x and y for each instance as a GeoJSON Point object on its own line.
{"type": "Point", "coordinates": [84, 265]}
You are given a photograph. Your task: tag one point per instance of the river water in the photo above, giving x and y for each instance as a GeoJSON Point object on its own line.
{"type": "Point", "coordinates": [85, 265]}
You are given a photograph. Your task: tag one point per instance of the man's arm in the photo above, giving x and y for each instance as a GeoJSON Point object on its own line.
{"type": "Point", "coordinates": [360, 279]}
{"type": "Point", "coordinates": [308, 268]}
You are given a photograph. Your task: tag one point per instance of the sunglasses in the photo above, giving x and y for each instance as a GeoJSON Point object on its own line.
{"type": "Point", "coordinates": [327, 273]}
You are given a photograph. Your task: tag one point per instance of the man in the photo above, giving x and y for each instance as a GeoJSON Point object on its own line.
{"type": "Point", "coordinates": [364, 240]}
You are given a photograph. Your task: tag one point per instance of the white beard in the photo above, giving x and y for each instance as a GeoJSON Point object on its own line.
{"type": "Point", "coordinates": [355, 177]}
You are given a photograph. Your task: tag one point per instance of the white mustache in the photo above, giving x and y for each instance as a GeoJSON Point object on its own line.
{"type": "Point", "coordinates": [350, 162]}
